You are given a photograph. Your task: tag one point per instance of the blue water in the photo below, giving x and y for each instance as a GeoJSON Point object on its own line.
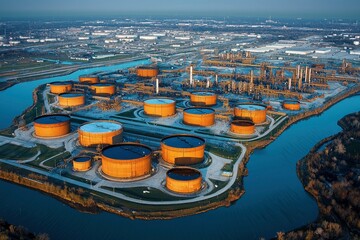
{"type": "Point", "coordinates": [14, 100]}
{"type": "Point", "coordinates": [274, 200]}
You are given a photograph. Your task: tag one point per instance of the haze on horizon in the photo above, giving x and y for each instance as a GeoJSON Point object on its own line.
{"type": "Point", "coordinates": [304, 8]}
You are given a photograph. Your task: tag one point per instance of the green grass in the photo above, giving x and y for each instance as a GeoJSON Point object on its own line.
{"type": "Point", "coordinates": [54, 161]}
{"type": "Point", "coordinates": [51, 98]}
{"type": "Point", "coordinates": [14, 152]}
{"type": "Point", "coordinates": [229, 152]}
{"type": "Point", "coordinates": [220, 185]}
{"type": "Point", "coordinates": [46, 153]}
{"type": "Point", "coordinates": [128, 114]}
{"type": "Point", "coordinates": [137, 192]}
{"type": "Point", "coordinates": [228, 167]}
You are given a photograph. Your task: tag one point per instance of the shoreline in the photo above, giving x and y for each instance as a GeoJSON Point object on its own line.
{"type": "Point", "coordinates": [225, 199]}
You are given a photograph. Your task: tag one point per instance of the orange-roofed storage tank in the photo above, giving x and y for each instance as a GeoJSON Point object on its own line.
{"type": "Point", "coordinates": [71, 99]}
{"type": "Point", "coordinates": [160, 107]}
{"type": "Point", "coordinates": [292, 105]}
{"type": "Point", "coordinates": [103, 88]}
{"type": "Point", "coordinates": [147, 71]}
{"type": "Point", "coordinates": [81, 164]}
{"type": "Point", "coordinates": [183, 149]}
{"type": "Point", "coordinates": [198, 116]}
{"type": "Point", "coordinates": [126, 160]}
{"type": "Point", "coordinates": [183, 180]}
{"type": "Point", "coordinates": [60, 87]}
{"type": "Point", "coordinates": [245, 127]}
{"type": "Point", "coordinates": [53, 125]}
{"type": "Point", "coordinates": [253, 112]}
{"type": "Point", "coordinates": [101, 132]}
{"type": "Point", "coordinates": [203, 98]}
{"type": "Point", "coordinates": [89, 79]}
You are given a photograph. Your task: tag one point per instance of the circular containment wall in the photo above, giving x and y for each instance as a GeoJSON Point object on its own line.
{"type": "Point", "coordinates": [183, 180]}
{"type": "Point", "coordinates": [292, 105]}
{"type": "Point", "coordinates": [102, 132]}
{"type": "Point", "coordinates": [89, 79]}
{"type": "Point", "coordinates": [126, 160]}
{"type": "Point", "coordinates": [203, 98]}
{"type": "Point", "coordinates": [82, 163]}
{"type": "Point", "coordinates": [183, 149]}
{"type": "Point", "coordinates": [53, 125]}
{"type": "Point", "coordinates": [245, 127]}
{"type": "Point", "coordinates": [198, 116]}
{"type": "Point", "coordinates": [147, 72]}
{"type": "Point", "coordinates": [254, 112]}
{"type": "Point", "coordinates": [60, 87]}
{"type": "Point", "coordinates": [103, 88]}
{"type": "Point", "coordinates": [160, 107]}
{"type": "Point", "coordinates": [71, 99]}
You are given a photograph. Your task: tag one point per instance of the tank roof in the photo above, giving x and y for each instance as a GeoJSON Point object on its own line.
{"type": "Point", "coordinates": [82, 159]}
{"type": "Point", "coordinates": [291, 101]}
{"type": "Point", "coordinates": [199, 110]}
{"type": "Point", "coordinates": [101, 127]}
{"type": "Point", "coordinates": [126, 151]}
{"type": "Point", "coordinates": [102, 84]}
{"type": "Point", "coordinates": [183, 174]}
{"type": "Point", "coordinates": [61, 83]}
{"type": "Point", "coordinates": [88, 76]}
{"type": "Point", "coordinates": [251, 107]}
{"type": "Point", "coordinates": [243, 123]}
{"type": "Point", "coordinates": [159, 101]}
{"type": "Point", "coordinates": [147, 67]}
{"type": "Point", "coordinates": [183, 141]}
{"type": "Point", "coordinates": [203, 93]}
{"type": "Point", "coordinates": [71, 95]}
{"type": "Point", "coordinates": [51, 119]}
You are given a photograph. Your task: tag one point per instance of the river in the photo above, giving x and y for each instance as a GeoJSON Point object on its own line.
{"type": "Point", "coordinates": [274, 200]}
{"type": "Point", "coordinates": [14, 100]}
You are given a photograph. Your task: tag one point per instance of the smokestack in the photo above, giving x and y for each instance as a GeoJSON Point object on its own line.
{"type": "Point", "coordinates": [191, 75]}
{"type": "Point", "coordinates": [306, 73]}
{"type": "Point", "coordinates": [216, 79]}
{"type": "Point", "coordinates": [309, 75]}
{"type": "Point", "coordinates": [289, 83]}
{"type": "Point", "coordinates": [301, 78]}
{"type": "Point", "coordinates": [298, 71]}
{"type": "Point", "coordinates": [207, 83]}
{"type": "Point", "coordinates": [157, 86]}
{"type": "Point", "coordinates": [251, 76]}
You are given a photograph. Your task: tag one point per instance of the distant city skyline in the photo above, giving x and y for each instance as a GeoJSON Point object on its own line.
{"type": "Point", "coordinates": [304, 8]}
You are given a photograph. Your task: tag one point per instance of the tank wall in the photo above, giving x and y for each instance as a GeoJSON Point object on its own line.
{"type": "Point", "coordinates": [52, 130]}
{"type": "Point", "coordinates": [203, 120]}
{"type": "Point", "coordinates": [292, 106]}
{"type": "Point", "coordinates": [182, 156]}
{"type": "Point", "coordinates": [147, 72]}
{"type": "Point", "coordinates": [242, 129]}
{"type": "Point", "coordinates": [257, 116]}
{"type": "Point", "coordinates": [162, 110]}
{"type": "Point", "coordinates": [58, 89]}
{"type": "Point", "coordinates": [81, 166]}
{"type": "Point", "coordinates": [200, 100]}
{"type": "Point", "coordinates": [104, 89]}
{"type": "Point", "coordinates": [89, 79]}
{"type": "Point", "coordinates": [126, 168]}
{"type": "Point", "coordinates": [71, 102]}
{"type": "Point", "coordinates": [88, 139]}
{"type": "Point", "coordinates": [184, 187]}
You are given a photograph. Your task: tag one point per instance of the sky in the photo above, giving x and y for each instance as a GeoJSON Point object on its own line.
{"type": "Point", "coordinates": [300, 8]}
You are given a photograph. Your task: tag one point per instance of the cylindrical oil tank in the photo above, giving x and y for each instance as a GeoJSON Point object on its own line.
{"type": "Point", "coordinates": [246, 127]}
{"type": "Point", "coordinates": [53, 125]}
{"type": "Point", "coordinates": [183, 149]}
{"type": "Point", "coordinates": [147, 71]}
{"type": "Point", "coordinates": [89, 79]}
{"type": "Point", "coordinates": [81, 163]}
{"type": "Point", "coordinates": [60, 87]}
{"type": "Point", "coordinates": [183, 180]}
{"type": "Point", "coordinates": [198, 116]}
{"type": "Point", "coordinates": [103, 88]}
{"type": "Point", "coordinates": [101, 132]}
{"type": "Point", "coordinates": [292, 105]}
{"type": "Point", "coordinates": [253, 112]}
{"type": "Point", "coordinates": [71, 99]}
{"type": "Point", "coordinates": [203, 98]}
{"type": "Point", "coordinates": [160, 107]}
{"type": "Point", "coordinates": [126, 160]}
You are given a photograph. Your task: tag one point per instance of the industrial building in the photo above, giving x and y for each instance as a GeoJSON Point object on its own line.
{"type": "Point", "coordinates": [183, 180]}
{"type": "Point", "coordinates": [102, 132]}
{"type": "Point", "coordinates": [203, 98]}
{"type": "Point", "coordinates": [253, 112]}
{"type": "Point", "coordinates": [198, 116]}
{"type": "Point", "coordinates": [81, 164]}
{"type": "Point", "coordinates": [71, 99]}
{"type": "Point", "coordinates": [89, 79]}
{"type": "Point", "coordinates": [126, 160]}
{"type": "Point", "coordinates": [160, 107]}
{"type": "Point", "coordinates": [245, 127]}
{"type": "Point", "coordinates": [103, 88]}
{"type": "Point", "coordinates": [52, 125]}
{"type": "Point", "coordinates": [183, 149]}
{"type": "Point", "coordinates": [60, 87]}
